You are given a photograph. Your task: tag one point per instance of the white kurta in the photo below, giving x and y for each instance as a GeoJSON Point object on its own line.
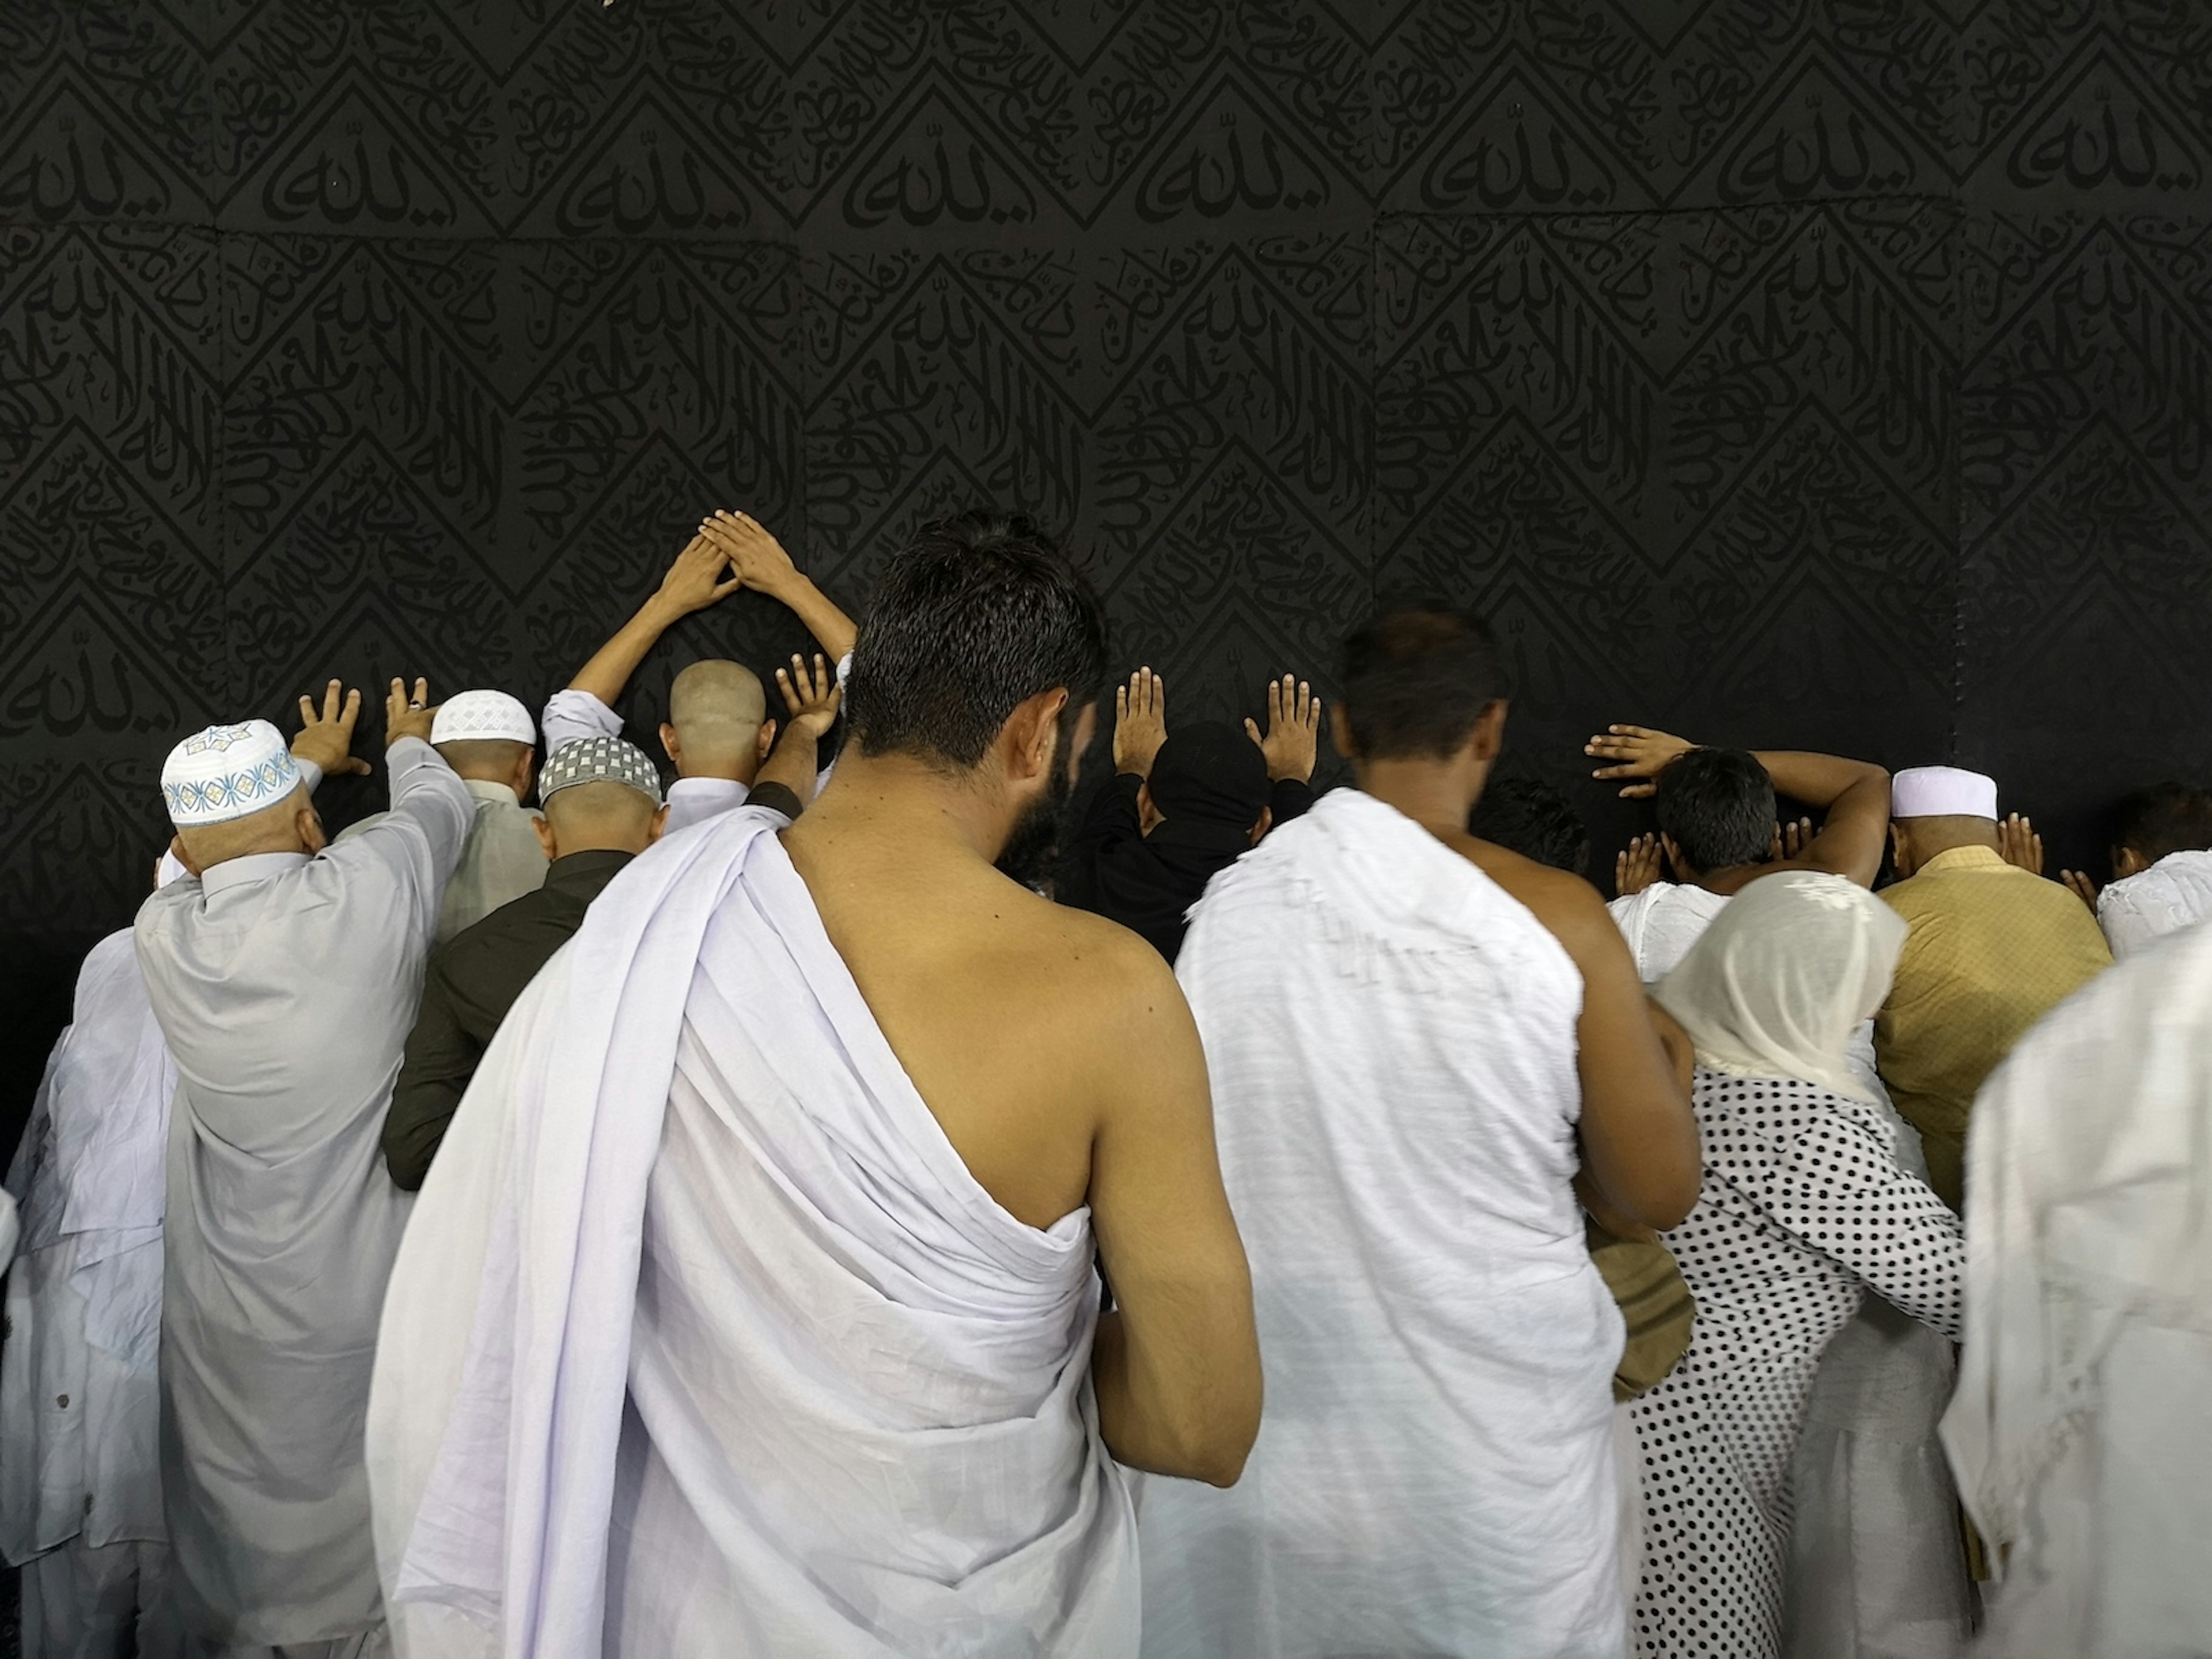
{"type": "Point", "coordinates": [2174, 893]}
{"type": "Point", "coordinates": [80, 1470]}
{"type": "Point", "coordinates": [704, 1341]}
{"type": "Point", "coordinates": [286, 987]}
{"type": "Point", "coordinates": [1391, 1042]}
{"type": "Point", "coordinates": [2078, 1431]}
{"type": "Point", "coordinates": [502, 859]}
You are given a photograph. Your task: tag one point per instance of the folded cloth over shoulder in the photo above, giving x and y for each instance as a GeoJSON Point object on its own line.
{"type": "Point", "coordinates": [692, 1176]}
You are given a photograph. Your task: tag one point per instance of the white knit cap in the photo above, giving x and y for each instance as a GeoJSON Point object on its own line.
{"type": "Point", "coordinates": [468, 715]}
{"type": "Point", "coordinates": [227, 772]}
{"type": "Point", "coordinates": [1942, 792]}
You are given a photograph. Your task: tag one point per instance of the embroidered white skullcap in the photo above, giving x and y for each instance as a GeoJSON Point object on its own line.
{"type": "Point", "coordinates": [1942, 792]}
{"type": "Point", "coordinates": [599, 760]}
{"type": "Point", "coordinates": [469, 716]}
{"type": "Point", "coordinates": [227, 772]}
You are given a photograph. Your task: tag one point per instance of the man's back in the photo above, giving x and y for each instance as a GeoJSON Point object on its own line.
{"type": "Point", "coordinates": [1992, 949]}
{"type": "Point", "coordinates": [1392, 1039]}
{"type": "Point", "coordinates": [285, 985]}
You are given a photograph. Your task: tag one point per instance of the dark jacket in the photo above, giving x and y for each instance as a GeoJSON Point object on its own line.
{"type": "Point", "coordinates": [1145, 883]}
{"type": "Point", "coordinates": [472, 981]}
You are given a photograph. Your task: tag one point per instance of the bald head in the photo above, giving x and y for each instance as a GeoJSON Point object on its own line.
{"type": "Point", "coordinates": [716, 726]}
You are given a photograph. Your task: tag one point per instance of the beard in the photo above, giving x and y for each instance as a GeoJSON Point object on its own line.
{"type": "Point", "coordinates": [1033, 845]}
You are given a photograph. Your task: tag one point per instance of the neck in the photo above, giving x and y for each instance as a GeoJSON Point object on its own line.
{"type": "Point", "coordinates": [478, 775]}
{"type": "Point", "coordinates": [925, 809]}
{"type": "Point", "coordinates": [730, 769]}
{"type": "Point", "coordinates": [1435, 794]}
{"type": "Point", "coordinates": [632, 845]}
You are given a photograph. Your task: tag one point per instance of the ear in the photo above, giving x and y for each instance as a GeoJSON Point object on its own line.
{"type": "Point", "coordinates": [1078, 745]}
{"type": "Point", "coordinates": [525, 774]}
{"type": "Point", "coordinates": [1489, 736]}
{"type": "Point", "coordinates": [546, 838]}
{"type": "Point", "coordinates": [184, 855]}
{"type": "Point", "coordinates": [1339, 732]}
{"type": "Point", "coordinates": [1267, 822]}
{"type": "Point", "coordinates": [1674, 851]}
{"type": "Point", "coordinates": [670, 746]}
{"type": "Point", "coordinates": [761, 745]}
{"type": "Point", "coordinates": [2126, 861]}
{"type": "Point", "coordinates": [1030, 731]}
{"type": "Point", "coordinates": [658, 828]}
{"type": "Point", "coordinates": [1901, 848]}
{"type": "Point", "coordinates": [307, 824]}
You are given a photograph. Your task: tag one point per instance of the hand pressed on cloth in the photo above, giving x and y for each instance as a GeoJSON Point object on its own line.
{"type": "Point", "coordinates": [1292, 743]}
{"type": "Point", "coordinates": [326, 739]}
{"type": "Point", "coordinates": [1140, 722]}
{"type": "Point", "coordinates": [1639, 754]}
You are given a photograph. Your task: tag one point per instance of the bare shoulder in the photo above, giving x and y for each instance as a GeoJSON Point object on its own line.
{"type": "Point", "coordinates": [1112, 968]}
{"type": "Point", "coordinates": [1565, 903]}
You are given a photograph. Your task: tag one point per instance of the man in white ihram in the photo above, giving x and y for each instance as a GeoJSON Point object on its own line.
{"type": "Point", "coordinates": [750, 1307]}
{"type": "Point", "coordinates": [284, 975]}
{"type": "Point", "coordinates": [1414, 1037]}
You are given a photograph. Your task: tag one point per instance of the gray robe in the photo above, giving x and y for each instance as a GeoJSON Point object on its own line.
{"type": "Point", "coordinates": [501, 861]}
{"type": "Point", "coordinates": [285, 987]}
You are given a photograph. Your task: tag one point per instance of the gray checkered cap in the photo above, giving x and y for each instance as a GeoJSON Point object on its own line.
{"type": "Point", "coordinates": [599, 760]}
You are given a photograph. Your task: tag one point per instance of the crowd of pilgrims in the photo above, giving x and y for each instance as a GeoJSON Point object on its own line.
{"type": "Point", "coordinates": [848, 1205]}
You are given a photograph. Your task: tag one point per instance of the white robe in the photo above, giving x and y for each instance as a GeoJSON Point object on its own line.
{"type": "Point", "coordinates": [1391, 1041]}
{"type": "Point", "coordinates": [2078, 1428]}
{"type": "Point", "coordinates": [2174, 893]}
{"type": "Point", "coordinates": [79, 1405]}
{"type": "Point", "coordinates": [285, 987]}
{"type": "Point", "coordinates": [705, 1341]}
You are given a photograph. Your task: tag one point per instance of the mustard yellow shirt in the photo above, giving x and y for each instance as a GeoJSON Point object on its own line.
{"type": "Point", "coordinates": [1992, 949]}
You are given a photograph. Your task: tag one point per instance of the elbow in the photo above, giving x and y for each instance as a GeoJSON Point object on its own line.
{"type": "Point", "coordinates": [1669, 1208]}
{"type": "Point", "coordinates": [1217, 1452]}
{"type": "Point", "coordinates": [405, 1166]}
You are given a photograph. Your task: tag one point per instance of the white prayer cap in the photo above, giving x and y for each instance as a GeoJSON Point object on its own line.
{"type": "Point", "coordinates": [227, 772]}
{"type": "Point", "coordinates": [1942, 792]}
{"type": "Point", "coordinates": [469, 716]}
{"type": "Point", "coordinates": [599, 760]}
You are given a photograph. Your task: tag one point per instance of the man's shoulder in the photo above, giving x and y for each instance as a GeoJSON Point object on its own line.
{"type": "Point", "coordinates": [1558, 898]}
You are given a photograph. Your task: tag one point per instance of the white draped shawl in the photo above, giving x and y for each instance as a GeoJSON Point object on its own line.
{"type": "Point", "coordinates": [2078, 1432]}
{"type": "Point", "coordinates": [698, 1262]}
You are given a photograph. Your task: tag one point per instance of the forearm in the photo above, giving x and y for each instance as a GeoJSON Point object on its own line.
{"type": "Point", "coordinates": [609, 670]}
{"type": "Point", "coordinates": [1207, 1440]}
{"type": "Point", "coordinates": [833, 630]}
{"type": "Point", "coordinates": [1818, 780]}
{"type": "Point", "coordinates": [792, 767]}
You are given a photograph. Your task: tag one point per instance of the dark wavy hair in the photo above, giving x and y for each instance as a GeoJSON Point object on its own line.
{"type": "Point", "coordinates": [976, 614]}
{"type": "Point", "coordinates": [1719, 805]}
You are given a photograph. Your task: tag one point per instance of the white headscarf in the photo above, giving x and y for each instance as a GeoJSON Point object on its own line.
{"type": "Point", "coordinates": [1790, 967]}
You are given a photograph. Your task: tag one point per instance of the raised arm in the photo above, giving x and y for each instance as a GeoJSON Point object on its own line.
{"type": "Point", "coordinates": [786, 778]}
{"type": "Point", "coordinates": [1176, 1363]}
{"type": "Point", "coordinates": [1854, 795]}
{"type": "Point", "coordinates": [763, 566]}
{"type": "Point", "coordinates": [693, 582]}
